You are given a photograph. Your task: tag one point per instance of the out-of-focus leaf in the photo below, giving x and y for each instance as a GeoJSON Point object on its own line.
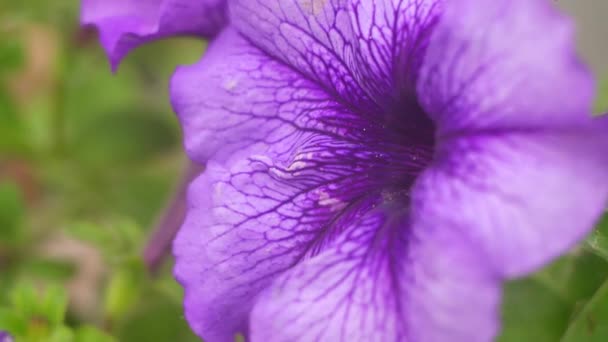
{"type": "Point", "coordinates": [538, 308]}
{"type": "Point", "coordinates": [597, 242]}
{"type": "Point", "coordinates": [36, 315]}
{"type": "Point", "coordinates": [60, 334]}
{"type": "Point", "coordinates": [54, 304]}
{"type": "Point", "coordinates": [91, 334]}
{"type": "Point", "coordinates": [124, 289]}
{"type": "Point", "coordinates": [156, 318]}
{"type": "Point", "coordinates": [11, 53]}
{"type": "Point", "coordinates": [12, 212]}
{"type": "Point", "coordinates": [148, 194]}
{"type": "Point", "coordinates": [90, 232]}
{"type": "Point", "coordinates": [49, 306]}
{"type": "Point", "coordinates": [118, 240]}
{"type": "Point", "coordinates": [12, 135]}
{"type": "Point", "coordinates": [533, 313]}
{"type": "Point", "coordinates": [124, 137]}
{"type": "Point", "coordinates": [601, 103]}
{"type": "Point", "coordinates": [587, 273]}
{"type": "Point", "coordinates": [130, 235]}
{"type": "Point", "coordinates": [54, 270]}
{"type": "Point", "coordinates": [10, 321]}
{"type": "Point", "coordinates": [24, 299]}
{"type": "Point", "coordinates": [589, 324]}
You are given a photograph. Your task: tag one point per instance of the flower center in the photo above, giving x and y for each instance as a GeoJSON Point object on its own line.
{"type": "Point", "coordinates": [406, 137]}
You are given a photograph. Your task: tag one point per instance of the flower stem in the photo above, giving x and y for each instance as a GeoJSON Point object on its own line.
{"type": "Point", "coordinates": [170, 221]}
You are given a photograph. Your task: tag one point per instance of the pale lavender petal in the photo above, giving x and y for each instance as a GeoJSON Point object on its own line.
{"type": "Point", "coordinates": [383, 280]}
{"type": "Point", "coordinates": [523, 198]}
{"type": "Point", "coordinates": [520, 164]}
{"type": "Point", "coordinates": [126, 24]}
{"type": "Point", "coordinates": [504, 65]}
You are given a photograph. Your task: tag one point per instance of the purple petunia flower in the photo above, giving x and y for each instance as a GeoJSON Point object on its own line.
{"type": "Point", "coordinates": [376, 168]}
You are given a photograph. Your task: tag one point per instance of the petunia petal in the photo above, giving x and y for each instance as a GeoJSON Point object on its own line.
{"type": "Point", "coordinates": [524, 198]}
{"type": "Point", "coordinates": [383, 280]}
{"type": "Point", "coordinates": [504, 64]}
{"type": "Point", "coordinates": [278, 150]}
{"type": "Point", "coordinates": [251, 221]}
{"type": "Point", "coordinates": [284, 162]}
{"type": "Point", "coordinates": [356, 50]}
{"type": "Point", "coordinates": [238, 101]}
{"type": "Point", "coordinates": [391, 40]}
{"type": "Point", "coordinates": [126, 24]}
{"type": "Point", "coordinates": [313, 37]}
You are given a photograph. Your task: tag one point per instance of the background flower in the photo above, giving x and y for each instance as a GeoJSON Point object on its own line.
{"type": "Point", "coordinates": [126, 24]}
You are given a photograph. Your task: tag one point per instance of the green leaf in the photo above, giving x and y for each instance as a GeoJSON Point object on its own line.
{"type": "Point", "coordinates": [91, 334]}
{"type": "Point", "coordinates": [118, 240]}
{"type": "Point", "coordinates": [601, 103]}
{"type": "Point", "coordinates": [10, 321]}
{"type": "Point", "coordinates": [156, 318]}
{"type": "Point", "coordinates": [12, 133]}
{"type": "Point", "coordinates": [93, 233]}
{"type": "Point", "coordinates": [124, 289]}
{"type": "Point", "coordinates": [55, 270]}
{"type": "Point", "coordinates": [539, 308]}
{"type": "Point", "coordinates": [124, 138]}
{"type": "Point", "coordinates": [60, 334]}
{"type": "Point", "coordinates": [54, 304]}
{"type": "Point", "coordinates": [24, 299]}
{"type": "Point", "coordinates": [589, 324]}
{"type": "Point", "coordinates": [12, 211]}
{"type": "Point", "coordinates": [597, 242]}
{"type": "Point", "coordinates": [11, 53]}
{"type": "Point", "coordinates": [50, 305]}
{"type": "Point", "coordinates": [532, 313]}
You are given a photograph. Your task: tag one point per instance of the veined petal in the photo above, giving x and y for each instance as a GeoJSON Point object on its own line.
{"type": "Point", "coordinates": [238, 102]}
{"type": "Point", "coordinates": [251, 221]}
{"type": "Point", "coordinates": [126, 24]}
{"type": "Point", "coordinates": [358, 51]}
{"type": "Point", "coordinates": [493, 65]}
{"type": "Point", "coordinates": [391, 40]}
{"type": "Point", "coordinates": [523, 198]}
{"type": "Point", "coordinates": [314, 37]}
{"type": "Point", "coordinates": [285, 162]}
{"type": "Point", "coordinates": [383, 279]}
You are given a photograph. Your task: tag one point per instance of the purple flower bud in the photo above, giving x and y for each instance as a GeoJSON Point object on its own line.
{"type": "Point", "coordinates": [6, 337]}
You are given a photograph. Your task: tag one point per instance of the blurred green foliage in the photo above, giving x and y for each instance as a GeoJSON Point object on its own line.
{"type": "Point", "coordinates": [601, 105]}
{"type": "Point", "coordinates": [88, 159]}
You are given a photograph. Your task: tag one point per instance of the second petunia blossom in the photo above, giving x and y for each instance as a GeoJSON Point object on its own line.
{"type": "Point", "coordinates": [377, 168]}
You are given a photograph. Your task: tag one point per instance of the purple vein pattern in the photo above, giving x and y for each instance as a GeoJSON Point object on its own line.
{"type": "Point", "coordinates": [376, 168]}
